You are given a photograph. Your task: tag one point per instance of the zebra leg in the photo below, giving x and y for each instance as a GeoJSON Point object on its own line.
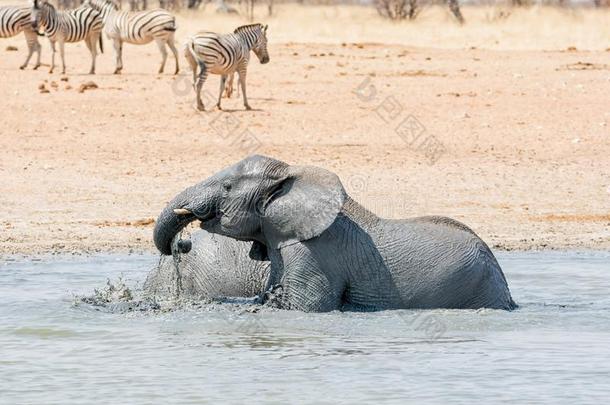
{"type": "Point", "coordinates": [172, 46]}
{"type": "Point", "coordinates": [121, 56]}
{"type": "Point", "coordinates": [242, 82]}
{"type": "Point", "coordinates": [223, 80]}
{"type": "Point", "coordinates": [30, 37]}
{"type": "Point", "coordinates": [118, 51]}
{"type": "Point", "coordinates": [94, 40]}
{"type": "Point", "coordinates": [91, 42]}
{"type": "Point", "coordinates": [199, 84]}
{"type": "Point", "coordinates": [38, 51]}
{"type": "Point", "coordinates": [52, 57]}
{"type": "Point", "coordinates": [62, 54]}
{"type": "Point", "coordinates": [229, 88]}
{"type": "Point", "coordinates": [161, 45]}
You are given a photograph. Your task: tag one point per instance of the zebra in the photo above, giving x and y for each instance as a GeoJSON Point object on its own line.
{"type": "Point", "coordinates": [80, 24]}
{"type": "Point", "coordinates": [224, 55]}
{"type": "Point", "coordinates": [13, 20]}
{"type": "Point", "coordinates": [137, 27]}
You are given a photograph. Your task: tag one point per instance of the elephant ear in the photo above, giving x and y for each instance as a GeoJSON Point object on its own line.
{"type": "Point", "coordinates": [302, 205]}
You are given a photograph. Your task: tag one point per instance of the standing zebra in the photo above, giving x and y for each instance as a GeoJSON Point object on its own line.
{"type": "Point", "coordinates": [224, 55]}
{"type": "Point", "coordinates": [137, 27]}
{"type": "Point", "coordinates": [80, 24]}
{"type": "Point", "coordinates": [13, 20]}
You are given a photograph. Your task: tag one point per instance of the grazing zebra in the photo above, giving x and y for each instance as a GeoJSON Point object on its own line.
{"type": "Point", "coordinates": [13, 20]}
{"type": "Point", "coordinates": [80, 24]}
{"type": "Point", "coordinates": [224, 55]}
{"type": "Point", "coordinates": [137, 27]}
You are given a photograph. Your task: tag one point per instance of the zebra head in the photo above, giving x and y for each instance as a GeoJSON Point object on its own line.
{"type": "Point", "coordinates": [255, 38]}
{"type": "Point", "coordinates": [36, 12]}
{"type": "Point", "coordinates": [260, 46]}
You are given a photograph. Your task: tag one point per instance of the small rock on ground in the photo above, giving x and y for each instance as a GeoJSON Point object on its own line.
{"type": "Point", "coordinates": [87, 86]}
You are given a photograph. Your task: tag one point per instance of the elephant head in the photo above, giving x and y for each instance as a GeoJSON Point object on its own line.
{"type": "Point", "coordinates": [259, 199]}
{"type": "Point", "coordinates": [36, 13]}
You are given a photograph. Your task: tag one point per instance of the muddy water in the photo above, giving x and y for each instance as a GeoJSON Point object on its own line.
{"type": "Point", "coordinates": [554, 349]}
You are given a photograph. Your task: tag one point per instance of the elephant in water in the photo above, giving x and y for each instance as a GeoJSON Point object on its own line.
{"type": "Point", "coordinates": [327, 252]}
{"type": "Point", "coordinates": [206, 267]}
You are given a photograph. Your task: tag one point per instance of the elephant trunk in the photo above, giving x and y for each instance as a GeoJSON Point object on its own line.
{"type": "Point", "coordinates": [196, 202]}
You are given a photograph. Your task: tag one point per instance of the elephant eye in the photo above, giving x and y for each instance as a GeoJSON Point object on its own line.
{"type": "Point", "coordinates": [226, 186]}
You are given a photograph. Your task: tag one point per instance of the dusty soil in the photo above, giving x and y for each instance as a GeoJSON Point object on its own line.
{"type": "Point", "coordinates": [520, 128]}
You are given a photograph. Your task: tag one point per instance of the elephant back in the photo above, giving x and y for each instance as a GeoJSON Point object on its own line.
{"type": "Point", "coordinates": [215, 267]}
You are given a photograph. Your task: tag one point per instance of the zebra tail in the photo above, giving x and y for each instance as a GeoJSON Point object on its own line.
{"type": "Point", "coordinates": [189, 51]}
{"type": "Point", "coordinates": [101, 44]}
{"type": "Point", "coordinates": [191, 56]}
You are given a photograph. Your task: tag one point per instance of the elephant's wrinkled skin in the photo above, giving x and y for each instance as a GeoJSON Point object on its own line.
{"type": "Point", "coordinates": [327, 252]}
{"type": "Point", "coordinates": [214, 267]}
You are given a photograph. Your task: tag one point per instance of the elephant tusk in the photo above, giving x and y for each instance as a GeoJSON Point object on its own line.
{"type": "Point", "coordinates": [182, 211]}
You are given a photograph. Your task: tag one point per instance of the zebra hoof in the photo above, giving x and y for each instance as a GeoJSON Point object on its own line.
{"type": "Point", "coordinates": [248, 107]}
{"type": "Point", "coordinates": [36, 67]}
{"type": "Point", "coordinates": [22, 67]}
{"type": "Point", "coordinates": [200, 107]}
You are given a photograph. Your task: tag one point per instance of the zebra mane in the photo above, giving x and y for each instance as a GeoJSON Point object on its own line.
{"type": "Point", "coordinates": [100, 4]}
{"type": "Point", "coordinates": [245, 27]}
{"type": "Point", "coordinates": [114, 3]}
{"type": "Point", "coordinates": [39, 3]}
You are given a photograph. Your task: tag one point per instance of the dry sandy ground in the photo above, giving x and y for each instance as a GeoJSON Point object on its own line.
{"type": "Point", "coordinates": [522, 118]}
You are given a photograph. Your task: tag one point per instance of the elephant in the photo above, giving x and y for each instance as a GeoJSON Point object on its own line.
{"type": "Point", "coordinates": [207, 266]}
{"type": "Point", "coordinates": [328, 252]}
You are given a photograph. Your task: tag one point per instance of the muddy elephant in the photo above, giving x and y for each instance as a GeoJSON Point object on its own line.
{"type": "Point", "coordinates": [207, 266]}
{"type": "Point", "coordinates": [328, 252]}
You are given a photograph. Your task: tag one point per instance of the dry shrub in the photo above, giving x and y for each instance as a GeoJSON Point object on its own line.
{"type": "Point", "coordinates": [397, 9]}
{"type": "Point", "coordinates": [409, 9]}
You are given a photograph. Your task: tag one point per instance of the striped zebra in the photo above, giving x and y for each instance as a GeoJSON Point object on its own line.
{"type": "Point", "coordinates": [137, 27]}
{"type": "Point", "coordinates": [80, 24]}
{"type": "Point", "coordinates": [13, 20]}
{"type": "Point", "coordinates": [224, 55]}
